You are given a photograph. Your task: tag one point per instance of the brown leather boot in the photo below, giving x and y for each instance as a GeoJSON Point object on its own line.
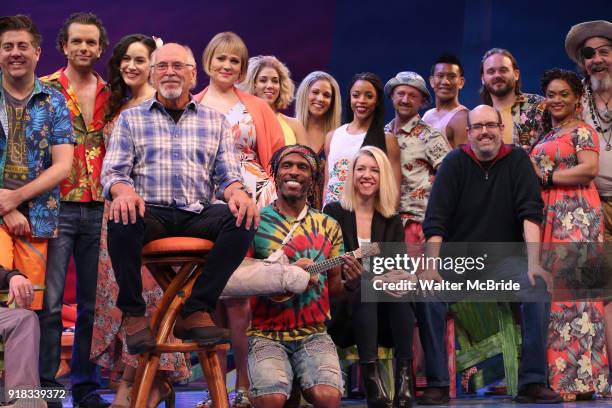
{"type": "Point", "coordinates": [138, 336]}
{"type": "Point", "coordinates": [199, 327]}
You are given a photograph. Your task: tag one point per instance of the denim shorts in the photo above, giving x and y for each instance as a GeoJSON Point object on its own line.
{"type": "Point", "coordinates": [272, 364]}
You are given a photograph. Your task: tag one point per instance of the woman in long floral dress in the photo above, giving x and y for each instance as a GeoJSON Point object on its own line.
{"type": "Point", "coordinates": [128, 78]}
{"type": "Point", "coordinates": [257, 134]}
{"type": "Point", "coordinates": [566, 161]}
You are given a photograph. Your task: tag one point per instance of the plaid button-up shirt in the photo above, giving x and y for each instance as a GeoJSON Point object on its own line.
{"type": "Point", "coordinates": [171, 164]}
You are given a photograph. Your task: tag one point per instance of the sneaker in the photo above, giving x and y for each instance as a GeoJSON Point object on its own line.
{"type": "Point", "coordinates": [434, 396]}
{"type": "Point", "coordinates": [537, 394]}
{"type": "Point", "coordinates": [93, 400]}
{"type": "Point", "coordinates": [240, 400]}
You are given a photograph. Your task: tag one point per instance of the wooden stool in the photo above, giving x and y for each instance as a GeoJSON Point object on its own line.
{"type": "Point", "coordinates": [161, 256]}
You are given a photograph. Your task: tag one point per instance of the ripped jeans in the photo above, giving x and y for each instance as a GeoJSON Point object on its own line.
{"type": "Point", "coordinates": [273, 364]}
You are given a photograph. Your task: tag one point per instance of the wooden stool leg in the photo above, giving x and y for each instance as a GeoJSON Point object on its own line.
{"type": "Point", "coordinates": [215, 378]}
{"type": "Point", "coordinates": [142, 386]}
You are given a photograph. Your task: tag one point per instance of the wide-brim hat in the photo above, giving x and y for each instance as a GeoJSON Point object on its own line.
{"type": "Point", "coordinates": [408, 78]}
{"type": "Point", "coordinates": [579, 33]}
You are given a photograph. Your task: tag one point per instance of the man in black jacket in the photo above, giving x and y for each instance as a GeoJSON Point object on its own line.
{"type": "Point", "coordinates": [19, 331]}
{"type": "Point", "coordinates": [488, 192]}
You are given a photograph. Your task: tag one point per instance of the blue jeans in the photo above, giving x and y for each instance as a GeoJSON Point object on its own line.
{"type": "Point", "coordinates": [272, 364]}
{"type": "Point", "coordinates": [79, 236]}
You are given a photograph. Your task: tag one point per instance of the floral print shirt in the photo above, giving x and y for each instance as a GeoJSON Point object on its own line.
{"type": "Point", "coordinates": [422, 149]}
{"type": "Point", "coordinates": [47, 123]}
{"type": "Point", "coordinates": [528, 119]}
{"type": "Point", "coordinates": [83, 182]}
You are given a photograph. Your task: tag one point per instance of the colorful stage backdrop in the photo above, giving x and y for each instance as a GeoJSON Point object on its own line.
{"type": "Point", "coordinates": [342, 37]}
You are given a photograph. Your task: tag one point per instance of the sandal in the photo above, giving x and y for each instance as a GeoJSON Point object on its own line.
{"type": "Point", "coordinates": [166, 393]}
{"type": "Point", "coordinates": [241, 399]}
{"type": "Point", "coordinates": [123, 394]}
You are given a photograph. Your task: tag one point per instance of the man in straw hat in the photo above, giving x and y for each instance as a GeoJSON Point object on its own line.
{"type": "Point", "coordinates": [589, 45]}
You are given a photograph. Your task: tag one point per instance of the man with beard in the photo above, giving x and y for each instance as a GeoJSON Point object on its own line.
{"type": "Point", "coordinates": [422, 149]}
{"type": "Point", "coordinates": [82, 39]}
{"type": "Point", "coordinates": [449, 116]}
{"type": "Point", "coordinates": [288, 340]}
{"type": "Point", "coordinates": [165, 159]}
{"type": "Point", "coordinates": [522, 113]}
{"type": "Point", "coordinates": [589, 45]}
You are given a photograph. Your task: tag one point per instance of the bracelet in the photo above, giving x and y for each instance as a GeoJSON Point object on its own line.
{"type": "Point", "coordinates": [549, 181]}
{"type": "Point", "coordinates": [544, 178]}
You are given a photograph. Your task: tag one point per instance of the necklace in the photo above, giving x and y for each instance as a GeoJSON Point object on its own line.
{"type": "Point", "coordinates": [563, 123]}
{"type": "Point", "coordinates": [598, 121]}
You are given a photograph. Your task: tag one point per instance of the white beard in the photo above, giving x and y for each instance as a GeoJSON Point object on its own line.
{"type": "Point", "coordinates": [170, 93]}
{"type": "Point", "coordinates": [601, 85]}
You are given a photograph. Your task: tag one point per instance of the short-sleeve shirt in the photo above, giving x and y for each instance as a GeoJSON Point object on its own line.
{"type": "Point", "coordinates": [422, 149]}
{"type": "Point", "coordinates": [318, 237]}
{"type": "Point", "coordinates": [83, 183]}
{"type": "Point", "coordinates": [46, 123]}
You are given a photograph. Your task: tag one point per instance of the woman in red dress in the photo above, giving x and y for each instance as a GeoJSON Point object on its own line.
{"type": "Point", "coordinates": [566, 161]}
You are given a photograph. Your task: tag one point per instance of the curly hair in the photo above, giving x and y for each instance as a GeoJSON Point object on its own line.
{"type": "Point", "coordinates": [86, 19]}
{"type": "Point", "coordinates": [21, 22]}
{"type": "Point", "coordinates": [569, 77]}
{"type": "Point", "coordinates": [287, 88]}
{"type": "Point", "coordinates": [119, 89]}
{"type": "Point", "coordinates": [375, 136]}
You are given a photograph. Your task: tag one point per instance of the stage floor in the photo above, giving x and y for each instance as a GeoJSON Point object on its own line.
{"type": "Point", "coordinates": [188, 399]}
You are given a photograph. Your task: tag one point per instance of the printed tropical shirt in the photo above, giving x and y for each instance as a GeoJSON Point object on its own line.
{"type": "Point", "coordinates": [318, 237]}
{"type": "Point", "coordinates": [422, 149]}
{"type": "Point", "coordinates": [528, 119]}
{"type": "Point", "coordinates": [47, 123]}
{"type": "Point", "coordinates": [83, 183]}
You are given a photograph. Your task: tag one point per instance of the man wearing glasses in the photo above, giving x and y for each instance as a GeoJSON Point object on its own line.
{"type": "Point", "coordinates": [487, 191]}
{"type": "Point", "coordinates": [589, 45]}
{"type": "Point", "coordinates": [165, 160]}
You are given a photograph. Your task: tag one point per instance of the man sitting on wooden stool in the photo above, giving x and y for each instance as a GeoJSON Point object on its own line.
{"type": "Point", "coordinates": [165, 159]}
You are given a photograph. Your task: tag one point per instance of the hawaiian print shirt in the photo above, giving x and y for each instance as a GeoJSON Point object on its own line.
{"type": "Point", "coordinates": [318, 237]}
{"type": "Point", "coordinates": [83, 183]}
{"type": "Point", "coordinates": [47, 123]}
{"type": "Point", "coordinates": [527, 116]}
{"type": "Point", "coordinates": [422, 149]}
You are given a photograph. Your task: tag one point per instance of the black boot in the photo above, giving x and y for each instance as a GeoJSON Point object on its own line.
{"type": "Point", "coordinates": [404, 391]}
{"type": "Point", "coordinates": [377, 395]}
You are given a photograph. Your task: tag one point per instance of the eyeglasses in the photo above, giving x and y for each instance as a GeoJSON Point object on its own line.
{"type": "Point", "coordinates": [176, 66]}
{"type": "Point", "coordinates": [589, 52]}
{"type": "Point", "coordinates": [477, 127]}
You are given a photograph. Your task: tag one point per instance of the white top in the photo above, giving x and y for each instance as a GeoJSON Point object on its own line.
{"type": "Point", "coordinates": [343, 148]}
{"type": "Point", "coordinates": [439, 119]}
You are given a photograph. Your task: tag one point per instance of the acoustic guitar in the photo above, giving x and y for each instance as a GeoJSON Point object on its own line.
{"type": "Point", "coordinates": [365, 251]}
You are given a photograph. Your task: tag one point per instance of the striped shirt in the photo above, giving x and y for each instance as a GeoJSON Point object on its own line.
{"type": "Point", "coordinates": [171, 164]}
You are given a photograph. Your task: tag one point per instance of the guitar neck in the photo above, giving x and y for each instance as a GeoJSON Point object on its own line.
{"type": "Point", "coordinates": [327, 264]}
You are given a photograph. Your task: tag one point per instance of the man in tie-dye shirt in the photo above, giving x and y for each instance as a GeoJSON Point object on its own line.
{"type": "Point", "coordinates": [293, 332]}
